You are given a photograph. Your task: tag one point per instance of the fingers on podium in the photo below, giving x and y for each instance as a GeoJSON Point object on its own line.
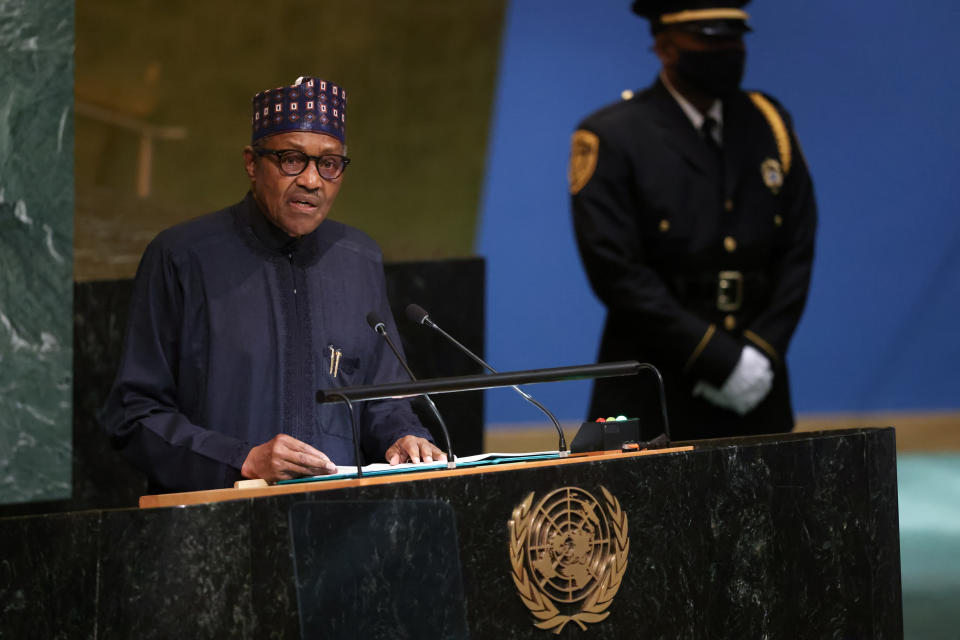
{"type": "Point", "coordinates": [304, 459]}
{"type": "Point", "coordinates": [414, 449]}
{"type": "Point", "coordinates": [287, 457]}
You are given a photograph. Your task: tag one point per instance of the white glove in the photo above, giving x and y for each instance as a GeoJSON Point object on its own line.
{"type": "Point", "coordinates": [745, 388]}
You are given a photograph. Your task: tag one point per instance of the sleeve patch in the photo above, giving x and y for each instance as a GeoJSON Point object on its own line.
{"type": "Point", "coordinates": [584, 147]}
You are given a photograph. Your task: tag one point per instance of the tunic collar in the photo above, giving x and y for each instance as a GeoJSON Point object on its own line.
{"type": "Point", "coordinates": [696, 118]}
{"type": "Point", "coordinates": [272, 236]}
{"type": "Point", "coordinates": [271, 240]}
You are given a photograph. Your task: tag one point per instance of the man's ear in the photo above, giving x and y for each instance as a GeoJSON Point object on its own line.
{"type": "Point", "coordinates": [665, 49]}
{"type": "Point", "coordinates": [249, 161]}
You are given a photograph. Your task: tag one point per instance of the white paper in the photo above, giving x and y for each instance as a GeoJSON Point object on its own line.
{"type": "Point", "coordinates": [348, 471]}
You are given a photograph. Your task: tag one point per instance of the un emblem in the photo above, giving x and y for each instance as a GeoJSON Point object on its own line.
{"type": "Point", "coordinates": [568, 555]}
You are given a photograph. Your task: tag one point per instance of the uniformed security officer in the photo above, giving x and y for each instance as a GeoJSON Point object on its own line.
{"type": "Point", "coordinates": [695, 219]}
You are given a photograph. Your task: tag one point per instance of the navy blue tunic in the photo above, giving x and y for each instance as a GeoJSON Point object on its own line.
{"type": "Point", "coordinates": [231, 331]}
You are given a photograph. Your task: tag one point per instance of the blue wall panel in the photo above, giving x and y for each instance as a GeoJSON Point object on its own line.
{"type": "Point", "coordinates": [872, 91]}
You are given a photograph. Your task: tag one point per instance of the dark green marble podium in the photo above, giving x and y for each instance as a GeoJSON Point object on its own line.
{"type": "Point", "coordinates": [785, 536]}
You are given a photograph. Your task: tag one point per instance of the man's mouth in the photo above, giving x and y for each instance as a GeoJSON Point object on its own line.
{"type": "Point", "coordinates": [305, 203]}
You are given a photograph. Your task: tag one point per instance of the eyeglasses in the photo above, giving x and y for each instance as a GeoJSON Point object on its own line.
{"type": "Point", "coordinates": [330, 166]}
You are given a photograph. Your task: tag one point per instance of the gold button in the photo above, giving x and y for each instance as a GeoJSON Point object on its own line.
{"type": "Point", "coordinates": [728, 205]}
{"type": "Point", "coordinates": [778, 220]}
{"type": "Point", "coordinates": [730, 244]}
{"type": "Point", "coordinates": [626, 94]}
{"type": "Point", "coordinates": [730, 323]}
{"type": "Point", "coordinates": [664, 225]}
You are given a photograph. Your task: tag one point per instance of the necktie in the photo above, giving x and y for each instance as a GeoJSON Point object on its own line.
{"type": "Point", "coordinates": [707, 130]}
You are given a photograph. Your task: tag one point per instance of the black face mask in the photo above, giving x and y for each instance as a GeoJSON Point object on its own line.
{"type": "Point", "coordinates": [715, 73]}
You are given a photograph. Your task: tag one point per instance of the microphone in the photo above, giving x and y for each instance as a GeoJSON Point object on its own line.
{"type": "Point", "coordinates": [377, 325]}
{"type": "Point", "coordinates": [418, 315]}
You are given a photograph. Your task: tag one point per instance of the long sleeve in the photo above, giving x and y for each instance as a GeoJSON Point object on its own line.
{"type": "Point", "coordinates": [144, 411]}
{"type": "Point", "coordinates": [773, 328]}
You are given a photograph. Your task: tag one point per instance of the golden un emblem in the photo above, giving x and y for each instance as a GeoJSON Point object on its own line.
{"type": "Point", "coordinates": [568, 555]}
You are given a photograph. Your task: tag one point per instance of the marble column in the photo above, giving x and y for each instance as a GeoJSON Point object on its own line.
{"type": "Point", "coordinates": [36, 248]}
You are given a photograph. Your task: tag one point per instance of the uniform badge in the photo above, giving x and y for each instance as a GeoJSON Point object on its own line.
{"type": "Point", "coordinates": [772, 174]}
{"type": "Point", "coordinates": [568, 555]}
{"type": "Point", "coordinates": [583, 159]}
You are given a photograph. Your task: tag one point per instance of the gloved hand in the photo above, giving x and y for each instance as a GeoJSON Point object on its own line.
{"type": "Point", "coordinates": [748, 383]}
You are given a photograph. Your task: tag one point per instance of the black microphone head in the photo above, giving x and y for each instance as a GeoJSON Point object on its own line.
{"type": "Point", "coordinates": [417, 314]}
{"type": "Point", "coordinates": [375, 322]}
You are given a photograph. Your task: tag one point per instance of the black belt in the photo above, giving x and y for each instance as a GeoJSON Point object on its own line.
{"type": "Point", "coordinates": [725, 291]}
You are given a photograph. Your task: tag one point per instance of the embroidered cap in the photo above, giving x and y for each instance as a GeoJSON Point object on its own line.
{"type": "Point", "coordinates": [707, 17]}
{"type": "Point", "coordinates": [309, 104]}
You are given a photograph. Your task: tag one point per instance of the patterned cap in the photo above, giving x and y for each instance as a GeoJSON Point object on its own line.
{"type": "Point", "coordinates": [309, 104]}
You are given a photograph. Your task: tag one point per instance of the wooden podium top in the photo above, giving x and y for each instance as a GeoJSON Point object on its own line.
{"type": "Point", "coordinates": [258, 488]}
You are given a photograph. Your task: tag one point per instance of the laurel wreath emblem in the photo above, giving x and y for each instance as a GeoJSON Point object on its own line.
{"type": "Point", "coordinates": [594, 608]}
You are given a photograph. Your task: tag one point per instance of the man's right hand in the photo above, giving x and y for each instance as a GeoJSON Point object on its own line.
{"type": "Point", "coordinates": [284, 457]}
{"type": "Point", "coordinates": [745, 388]}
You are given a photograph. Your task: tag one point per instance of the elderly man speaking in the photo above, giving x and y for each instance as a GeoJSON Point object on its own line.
{"type": "Point", "coordinates": [239, 316]}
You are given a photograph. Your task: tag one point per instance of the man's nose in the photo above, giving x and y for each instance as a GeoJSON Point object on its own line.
{"type": "Point", "coordinates": [310, 178]}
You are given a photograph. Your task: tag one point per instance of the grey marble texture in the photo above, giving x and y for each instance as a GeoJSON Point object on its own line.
{"type": "Point", "coordinates": [187, 578]}
{"type": "Point", "coordinates": [36, 254]}
{"type": "Point", "coordinates": [384, 569]}
{"type": "Point", "coordinates": [791, 536]}
{"type": "Point", "coordinates": [48, 576]}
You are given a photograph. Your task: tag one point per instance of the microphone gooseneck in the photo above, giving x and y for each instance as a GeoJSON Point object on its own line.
{"type": "Point", "coordinates": [353, 427]}
{"type": "Point", "coordinates": [377, 325]}
{"type": "Point", "coordinates": [418, 315]}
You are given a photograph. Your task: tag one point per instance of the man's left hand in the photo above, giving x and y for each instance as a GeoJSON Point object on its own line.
{"type": "Point", "coordinates": [414, 449]}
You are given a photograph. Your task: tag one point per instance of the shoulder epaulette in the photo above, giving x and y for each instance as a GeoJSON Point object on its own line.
{"type": "Point", "coordinates": [779, 128]}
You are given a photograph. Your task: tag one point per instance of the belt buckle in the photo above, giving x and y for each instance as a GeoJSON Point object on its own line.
{"type": "Point", "coordinates": [729, 291]}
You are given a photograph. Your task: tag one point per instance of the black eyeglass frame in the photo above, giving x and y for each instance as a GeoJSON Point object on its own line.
{"type": "Point", "coordinates": [279, 153]}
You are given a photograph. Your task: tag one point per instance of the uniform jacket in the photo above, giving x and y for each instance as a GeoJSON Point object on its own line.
{"type": "Point", "coordinates": [233, 327]}
{"type": "Point", "coordinates": [658, 216]}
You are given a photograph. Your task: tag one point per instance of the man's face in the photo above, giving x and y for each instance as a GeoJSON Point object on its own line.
{"type": "Point", "coordinates": [669, 43]}
{"type": "Point", "coordinates": [702, 68]}
{"type": "Point", "coordinates": [296, 204]}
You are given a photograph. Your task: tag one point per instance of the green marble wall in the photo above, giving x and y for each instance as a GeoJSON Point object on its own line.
{"type": "Point", "coordinates": [36, 248]}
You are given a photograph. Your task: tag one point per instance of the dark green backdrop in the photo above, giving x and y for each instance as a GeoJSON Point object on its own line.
{"type": "Point", "coordinates": [420, 75]}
